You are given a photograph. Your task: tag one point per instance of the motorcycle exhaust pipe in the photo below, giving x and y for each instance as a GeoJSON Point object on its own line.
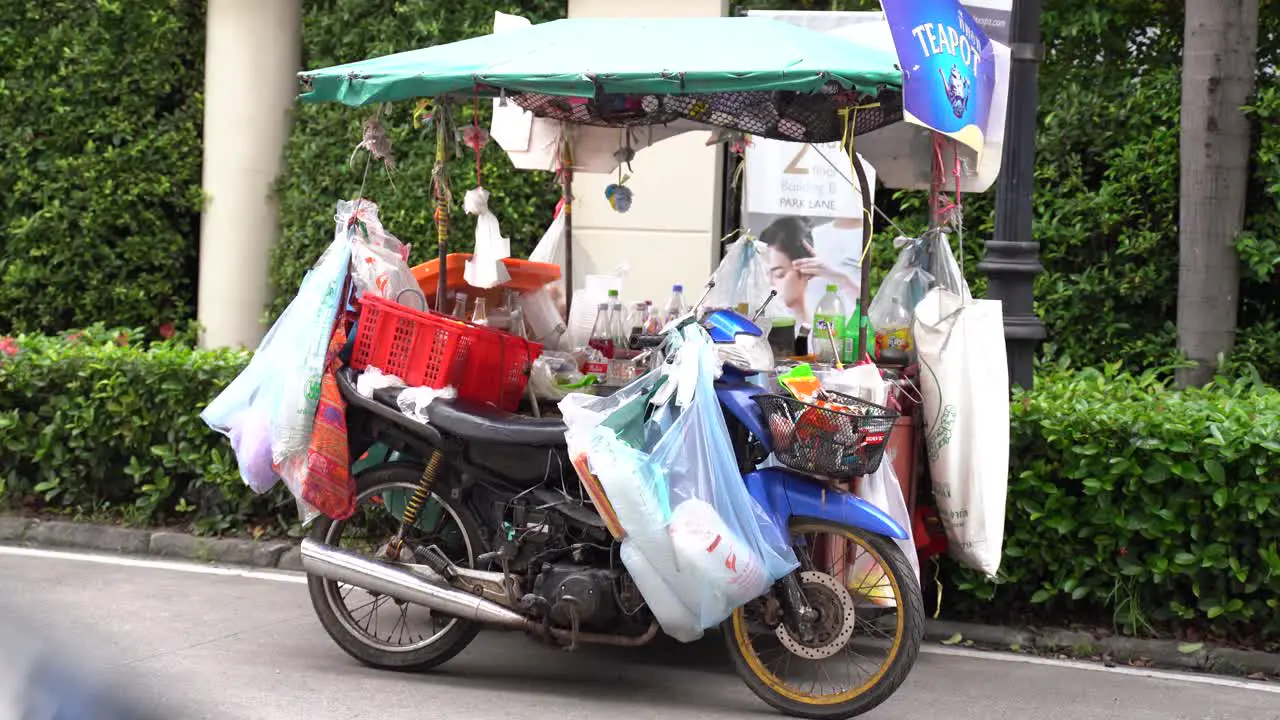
{"type": "Point", "coordinates": [344, 566]}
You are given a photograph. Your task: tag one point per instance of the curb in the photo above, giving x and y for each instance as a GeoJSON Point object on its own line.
{"type": "Point", "coordinates": [1199, 657]}
{"type": "Point", "coordinates": [284, 555]}
{"type": "Point", "coordinates": [277, 554]}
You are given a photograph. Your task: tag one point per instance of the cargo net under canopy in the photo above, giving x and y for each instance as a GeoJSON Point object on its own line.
{"type": "Point", "coordinates": [784, 115]}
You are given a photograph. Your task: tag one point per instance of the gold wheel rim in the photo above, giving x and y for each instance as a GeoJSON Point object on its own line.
{"type": "Point", "coordinates": [742, 636]}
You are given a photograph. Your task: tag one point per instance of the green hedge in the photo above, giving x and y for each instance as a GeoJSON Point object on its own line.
{"type": "Point", "coordinates": [100, 111]}
{"type": "Point", "coordinates": [1148, 504]}
{"type": "Point", "coordinates": [1126, 498]}
{"type": "Point", "coordinates": [100, 425]}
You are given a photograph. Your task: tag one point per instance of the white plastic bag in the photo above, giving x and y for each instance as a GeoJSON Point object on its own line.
{"type": "Point", "coordinates": [965, 383]}
{"type": "Point", "coordinates": [282, 382]}
{"type": "Point", "coordinates": [485, 269]}
{"type": "Point", "coordinates": [882, 489]}
{"type": "Point", "coordinates": [415, 402]}
{"type": "Point", "coordinates": [862, 381]}
{"type": "Point", "coordinates": [374, 379]}
{"type": "Point", "coordinates": [550, 248]}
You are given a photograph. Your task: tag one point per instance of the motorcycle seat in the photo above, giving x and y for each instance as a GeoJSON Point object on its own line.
{"type": "Point", "coordinates": [485, 423]}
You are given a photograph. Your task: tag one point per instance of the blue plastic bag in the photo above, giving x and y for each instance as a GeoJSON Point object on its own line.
{"type": "Point", "coordinates": [697, 545]}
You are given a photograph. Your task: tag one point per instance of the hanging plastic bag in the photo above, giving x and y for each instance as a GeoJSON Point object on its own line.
{"type": "Point", "coordinates": [282, 382]}
{"type": "Point", "coordinates": [742, 279]}
{"type": "Point", "coordinates": [965, 384]}
{"type": "Point", "coordinates": [942, 266]}
{"type": "Point", "coordinates": [485, 269]}
{"type": "Point", "coordinates": [695, 542]}
{"type": "Point", "coordinates": [379, 261]}
{"type": "Point", "coordinates": [550, 248]}
{"type": "Point", "coordinates": [891, 310]}
{"type": "Point", "coordinates": [250, 436]}
{"type": "Point", "coordinates": [864, 575]}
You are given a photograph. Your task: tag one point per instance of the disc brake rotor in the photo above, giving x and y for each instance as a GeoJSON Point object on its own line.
{"type": "Point", "coordinates": [835, 624]}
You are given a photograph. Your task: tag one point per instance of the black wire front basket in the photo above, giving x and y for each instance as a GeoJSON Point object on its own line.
{"type": "Point", "coordinates": [844, 437]}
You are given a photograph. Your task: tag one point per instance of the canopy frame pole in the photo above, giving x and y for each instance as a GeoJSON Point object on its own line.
{"type": "Point", "coordinates": [868, 213]}
{"type": "Point", "coordinates": [864, 302]}
{"type": "Point", "coordinates": [566, 194]}
{"type": "Point", "coordinates": [441, 214]}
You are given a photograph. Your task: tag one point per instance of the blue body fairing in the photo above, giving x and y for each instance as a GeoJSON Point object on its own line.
{"type": "Point", "coordinates": [785, 495]}
{"type": "Point", "coordinates": [724, 325]}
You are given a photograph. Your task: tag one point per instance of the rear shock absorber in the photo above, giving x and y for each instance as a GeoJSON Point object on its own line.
{"type": "Point", "coordinates": [420, 496]}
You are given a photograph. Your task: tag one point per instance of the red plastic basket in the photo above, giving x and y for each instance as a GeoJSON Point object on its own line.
{"type": "Point", "coordinates": [433, 350]}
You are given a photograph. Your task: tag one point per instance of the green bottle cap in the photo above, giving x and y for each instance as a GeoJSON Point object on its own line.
{"type": "Point", "coordinates": [832, 288]}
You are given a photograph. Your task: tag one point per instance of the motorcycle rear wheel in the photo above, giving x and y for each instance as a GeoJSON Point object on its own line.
{"type": "Point", "coordinates": [372, 486]}
{"type": "Point", "coordinates": [746, 634]}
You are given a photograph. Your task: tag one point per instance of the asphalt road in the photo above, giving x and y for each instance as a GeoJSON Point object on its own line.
{"type": "Point", "coordinates": [191, 644]}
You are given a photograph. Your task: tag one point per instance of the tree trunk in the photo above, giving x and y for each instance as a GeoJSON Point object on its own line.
{"type": "Point", "coordinates": [1219, 61]}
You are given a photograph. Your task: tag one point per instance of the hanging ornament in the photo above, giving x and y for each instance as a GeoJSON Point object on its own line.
{"type": "Point", "coordinates": [619, 195]}
{"type": "Point", "coordinates": [474, 137]}
{"type": "Point", "coordinates": [376, 143]}
{"type": "Point", "coordinates": [735, 140]}
{"type": "Point", "coordinates": [422, 113]}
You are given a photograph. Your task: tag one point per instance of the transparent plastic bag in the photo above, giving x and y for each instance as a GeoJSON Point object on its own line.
{"type": "Point", "coordinates": [902, 288]}
{"type": "Point", "coordinates": [696, 543]}
{"type": "Point", "coordinates": [379, 261]}
{"type": "Point", "coordinates": [281, 384]}
{"type": "Point", "coordinates": [742, 278]}
{"type": "Point", "coordinates": [944, 269]}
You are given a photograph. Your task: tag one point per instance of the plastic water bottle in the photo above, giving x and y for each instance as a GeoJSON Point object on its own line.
{"type": "Point", "coordinates": [675, 306]}
{"type": "Point", "coordinates": [828, 326]}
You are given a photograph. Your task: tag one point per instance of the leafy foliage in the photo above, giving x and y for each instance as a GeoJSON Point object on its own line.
{"type": "Point", "coordinates": [98, 422]}
{"type": "Point", "coordinates": [100, 106]}
{"type": "Point", "coordinates": [1151, 504]}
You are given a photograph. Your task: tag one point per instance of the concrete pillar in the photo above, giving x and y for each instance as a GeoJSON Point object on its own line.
{"type": "Point", "coordinates": [252, 54]}
{"type": "Point", "coordinates": [670, 234]}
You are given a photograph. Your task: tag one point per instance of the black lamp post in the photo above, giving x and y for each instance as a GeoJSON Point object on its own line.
{"type": "Point", "coordinates": [1012, 259]}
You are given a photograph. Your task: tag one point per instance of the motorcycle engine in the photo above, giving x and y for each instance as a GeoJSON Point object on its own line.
{"type": "Point", "coordinates": [578, 591]}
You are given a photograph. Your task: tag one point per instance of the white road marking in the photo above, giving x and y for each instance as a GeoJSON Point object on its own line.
{"type": "Point", "coordinates": [1173, 676]}
{"type": "Point", "coordinates": [930, 649]}
{"type": "Point", "coordinates": [178, 566]}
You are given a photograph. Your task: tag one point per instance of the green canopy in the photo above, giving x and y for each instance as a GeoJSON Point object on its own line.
{"type": "Point", "coordinates": [587, 58]}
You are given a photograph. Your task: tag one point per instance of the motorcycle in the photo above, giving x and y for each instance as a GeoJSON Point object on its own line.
{"type": "Point", "coordinates": [480, 522]}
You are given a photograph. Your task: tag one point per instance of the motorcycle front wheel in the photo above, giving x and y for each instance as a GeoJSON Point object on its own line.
{"type": "Point", "coordinates": [861, 646]}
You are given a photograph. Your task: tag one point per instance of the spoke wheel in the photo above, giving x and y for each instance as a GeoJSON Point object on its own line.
{"type": "Point", "coordinates": [374, 628]}
{"type": "Point", "coordinates": [861, 645]}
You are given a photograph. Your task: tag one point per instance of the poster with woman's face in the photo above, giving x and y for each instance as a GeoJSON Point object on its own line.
{"type": "Point", "coordinates": [801, 203]}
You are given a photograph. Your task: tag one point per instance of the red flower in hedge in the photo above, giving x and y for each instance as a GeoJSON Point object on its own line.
{"type": "Point", "coordinates": [75, 337]}
{"type": "Point", "coordinates": [122, 339]}
{"type": "Point", "coordinates": [1124, 552]}
{"type": "Point", "coordinates": [8, 346]}
{"type": "Point", "coordinates": [166, 330]}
